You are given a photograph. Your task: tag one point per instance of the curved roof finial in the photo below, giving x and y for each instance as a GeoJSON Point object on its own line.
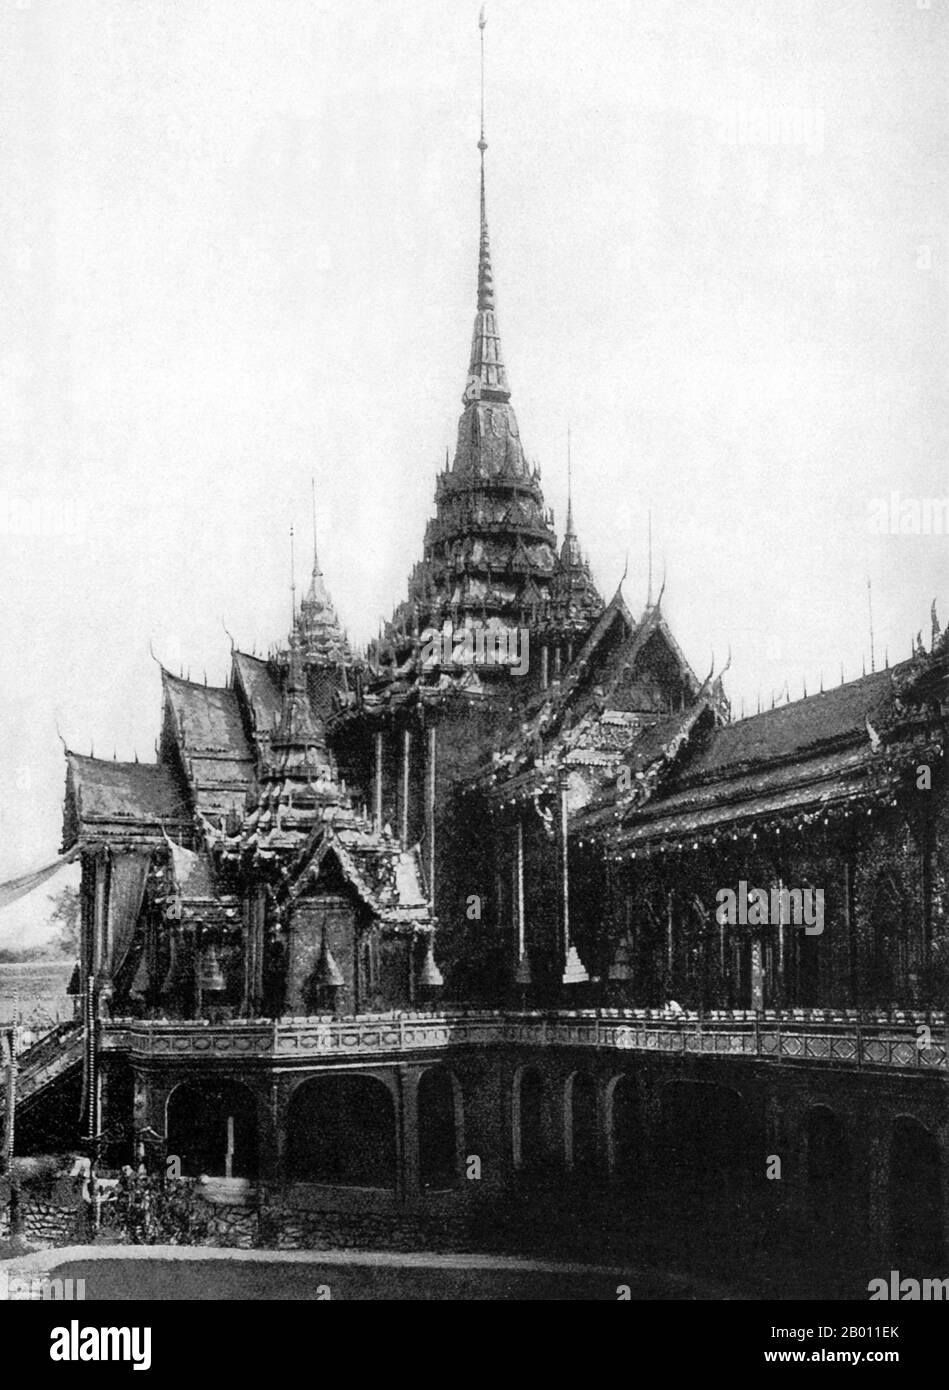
{"type": "Point", "coordinates": [662, 587]}
{"type": "Point", "coordinates": [649, 551]}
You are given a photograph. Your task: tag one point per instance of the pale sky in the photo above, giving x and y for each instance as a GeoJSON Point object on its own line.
{"type": "Point", "coordinates": [238, 249]}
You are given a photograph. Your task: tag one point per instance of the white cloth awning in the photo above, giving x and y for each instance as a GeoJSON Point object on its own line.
{"type": "Point", "coordinates": [15, 888]}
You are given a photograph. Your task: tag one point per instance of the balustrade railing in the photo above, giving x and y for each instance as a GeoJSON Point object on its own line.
{"type": "Point", "coordinates": [907, 1041]}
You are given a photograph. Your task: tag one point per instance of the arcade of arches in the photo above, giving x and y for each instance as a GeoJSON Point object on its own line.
{"type": "Point", "coordinates": [831, 1177]}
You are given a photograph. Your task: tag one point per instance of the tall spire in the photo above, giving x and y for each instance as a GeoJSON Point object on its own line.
{"type": "Point", "coordinates": [487, 378]}
{"type": "Point", "coordinates": [570, 550]}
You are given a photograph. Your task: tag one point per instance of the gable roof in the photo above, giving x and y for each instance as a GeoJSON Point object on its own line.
{"type": "Point", "coordinates": [789, 730]}
{"type": "Point", "coordinates": [207, 717]}
{"type": "Point", "coordinates": [206, 724]}
{"type": "Point", "coordinates": [253, 677]}
{"type": "Point", "coordinates": [799, 757]}
{"type": "Point", "coordinates": [127, 797]}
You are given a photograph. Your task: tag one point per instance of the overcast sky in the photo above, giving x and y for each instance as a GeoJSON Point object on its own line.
{"type": "Point", "coordinates": [238, 249]}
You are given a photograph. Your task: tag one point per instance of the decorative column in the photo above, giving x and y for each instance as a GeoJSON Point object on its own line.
{"type": "Point", "coordinates": [9, 1042]}
{"type": "Point", "coordinates": [757, 974]}
{"type": "Point", "coordinates": [544, 677]}
{"type": "Point", "coordinates": [670, 937]}
{"type": "Point", "coordinates": [100, 916]}
{"type": "Point", "coordinates": [850, 927]}
{"type": "Point", "coordinates": [573, 970]}
{"type": "Point", "coordinates": [409, 1181]}
{"type": "Point", "coordinates": [253, 953]}
{"type": "Point", "coordinates": [522, 965]}
{"type": "Point", "coordinates": [406, 757]}
{"type": "Point", "coordinates": [430, 811]}
{"type": "Point", "coordinates": [377, 783]}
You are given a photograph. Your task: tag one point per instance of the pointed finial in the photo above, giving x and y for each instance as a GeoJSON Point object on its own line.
{"type": "Point", "coordinates": [662, 587]}
{"type": "Point", "coordinates": [293, 581]}
{"type": "Point", "coordinates": [316, 566]}
{"type": "Point", "coordinates": [569, 530]}
{"type": "Point", "coordinates": [649, 553]}
{"type": "Point", "coordinates": [873, 664]}
{"type": "Point", "coordinates": [482, 143]}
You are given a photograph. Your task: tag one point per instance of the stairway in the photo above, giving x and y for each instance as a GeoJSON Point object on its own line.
{"type": "Point", "coordinates": [45, 1062]}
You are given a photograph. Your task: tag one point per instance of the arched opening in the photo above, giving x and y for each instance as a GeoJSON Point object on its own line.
{"type": "Point", "coordinates": [580, 1123]}
{"type": "Point", "coordinates": [341, 1129]}
{"type": "Point", "coordinates": [834, 1204]}
{"type": "Point", "coordinates": [828, 1167]}
{"type": "Point", "coordinates": [212, 1129]}
{"type": "Point", "coordinates": [529, 1151]}
{"type": "Point", "coordinates": [438, 1138]}
{"type": "Point", "coordinates": [699, 1174]}
{"type": "Point", "coordinates": [915, 1200]}
{"type": "Point", "coordinates": [625, 1129]}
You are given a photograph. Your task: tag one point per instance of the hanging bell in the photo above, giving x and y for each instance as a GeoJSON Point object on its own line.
{"type": "Point", "coordinates": [327, 974]}
{"type": "Point", "coordinates": [429, 976]}
{"type": "Point", "coordinates": [212, 976]}
{"type": "Point", "coordinates": [620, 968]}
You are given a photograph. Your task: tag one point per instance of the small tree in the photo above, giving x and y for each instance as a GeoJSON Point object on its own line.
{"type": "Point", "coordinates": [65, 915]}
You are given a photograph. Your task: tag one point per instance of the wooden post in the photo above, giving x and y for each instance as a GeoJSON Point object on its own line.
{"type": "Point", "coordinates": [9, 1039]}
{"type": "Point", "coordinates": [377, 783]}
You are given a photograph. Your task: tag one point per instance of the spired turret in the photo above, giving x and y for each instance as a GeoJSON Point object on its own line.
{"type": "Point", "coordinates": [575, 601]}
{"type": "Point", "coordinates": [321, 637]}
{"type": "Point", "coordinates": [490, 559]}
